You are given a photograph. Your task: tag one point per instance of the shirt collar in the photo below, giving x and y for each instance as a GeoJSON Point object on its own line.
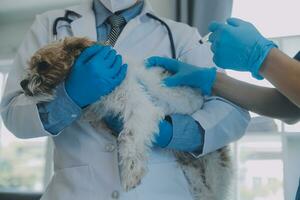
{"type": "Point", "coordinates": [102, 13]}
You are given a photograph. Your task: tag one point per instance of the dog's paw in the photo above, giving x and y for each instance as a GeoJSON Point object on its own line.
{"type": "Point", "coordinates": [132, 162]}
{"type": "Point", "coordinates": [132, 170]}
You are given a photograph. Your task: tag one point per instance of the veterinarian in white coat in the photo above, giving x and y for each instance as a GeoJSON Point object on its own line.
{"type": "Point", "coordinates": [85, 161]}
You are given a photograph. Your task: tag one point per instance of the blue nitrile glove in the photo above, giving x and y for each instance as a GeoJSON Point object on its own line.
{"type": "Point", "coordinates": [185, 74]}
{"type": "Point", "coordinates": [239, 46]}
{"type": "Point", "coordinates": [162, 139]}
{"type": "Point", "coordinates": [96, 73]}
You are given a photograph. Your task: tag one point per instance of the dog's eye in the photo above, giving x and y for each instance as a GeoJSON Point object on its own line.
{"type": "Point", "coordinates": [42, 66]}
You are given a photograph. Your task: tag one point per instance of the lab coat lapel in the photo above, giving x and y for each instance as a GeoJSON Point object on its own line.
{"type": "Point", "coordinates": [85, 26]}
{"type": "Point", "coordinates": [134, 23]}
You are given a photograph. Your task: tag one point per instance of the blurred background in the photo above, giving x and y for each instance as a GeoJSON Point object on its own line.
{"type": "Point", "coordinates": [266, 159]}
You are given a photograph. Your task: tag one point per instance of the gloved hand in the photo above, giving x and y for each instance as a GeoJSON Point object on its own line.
{"type": "Point", "coordinates": [239, 46]}
{"type": "Point", "coordinates": [96, 73]}
{"type": "Point", "coordinates": [185, 74]}
{"type": "Point", "coordinates": [162, 139]}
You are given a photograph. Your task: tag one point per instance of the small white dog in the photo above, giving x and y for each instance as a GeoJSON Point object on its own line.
{"type": "Point", "coordinates": [141, 102]}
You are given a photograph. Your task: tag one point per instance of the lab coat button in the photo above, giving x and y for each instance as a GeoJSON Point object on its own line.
{"type": "Point", "coordinates": [115, 195]}
{"type": "Point", "coordinates": [110, 147]}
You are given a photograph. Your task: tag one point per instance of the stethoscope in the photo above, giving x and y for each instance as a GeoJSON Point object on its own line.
{"type": "Point", "coordinates": [67, 18]}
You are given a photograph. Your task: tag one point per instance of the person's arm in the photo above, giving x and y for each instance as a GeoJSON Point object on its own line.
{"type": "Point", "coordinates": [177, 132]}
{"type": "Point", "coordinates": [238, 45]}
{"type": "Point", "coordinates": [221, 121]}
{"type": "Point", "coordinates": [26, 119]}
{"type": "Point", "coordinates": [83, 87]}
{"type": "Point", "coordinates": [262, 100]}
{"type": "Point", "coordinates": [59, 113]}
{"type": "Point", "coordinates": [265, 101]}
{"type": "Point", "coordinates": [19, 114]}
{"type": "Point", "coordinates": [284, 73]}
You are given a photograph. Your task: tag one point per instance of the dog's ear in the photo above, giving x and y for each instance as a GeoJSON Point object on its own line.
{"type": "Point", "coordinates": [75, 45]}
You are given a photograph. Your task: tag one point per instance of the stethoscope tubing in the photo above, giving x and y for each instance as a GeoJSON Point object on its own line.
{"type": "Point", "coordinates": [66, 18]}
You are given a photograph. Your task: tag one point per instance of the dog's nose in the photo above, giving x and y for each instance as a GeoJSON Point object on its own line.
{"type": "Point", "coordinates": [24, 85]}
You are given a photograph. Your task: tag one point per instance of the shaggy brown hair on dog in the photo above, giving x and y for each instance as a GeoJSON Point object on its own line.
{"type": "Point", "coordinates": [51, 64]}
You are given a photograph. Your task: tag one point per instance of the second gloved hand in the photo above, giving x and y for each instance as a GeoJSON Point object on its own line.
{"type": "Point", "coordinates": [96, 73]}
{"type": "Point", "coordinates": [162, 139]}
{"type": "Point", "coordinates": [239, 46]}
{"type": "Point", "coordinates": [185, 74]}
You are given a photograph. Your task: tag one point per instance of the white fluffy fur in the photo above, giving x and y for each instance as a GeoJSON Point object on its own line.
{"type": "Point", "coordinates": [142, 102]}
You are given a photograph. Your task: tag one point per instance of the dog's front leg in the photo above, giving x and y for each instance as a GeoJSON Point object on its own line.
{"type": "Point", "coordinates": [141, 120]}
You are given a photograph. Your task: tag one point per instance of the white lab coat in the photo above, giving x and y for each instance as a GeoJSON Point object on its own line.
{"type": "Point", "coordinates": [85, 161]}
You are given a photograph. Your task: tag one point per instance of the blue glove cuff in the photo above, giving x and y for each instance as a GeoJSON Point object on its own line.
{"type": "Point", "coordinates": [261, 50]}
{"type": "Point", "coordinates": [115, 123]}
{"type": "Point", "coordinates": [188, 135]}
{"type": "Point", "coordinates": [165, 134]}
{"type": "Point", "coordinates": [207, 88]}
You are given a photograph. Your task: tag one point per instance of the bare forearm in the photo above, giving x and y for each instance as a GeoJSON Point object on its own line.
{"type": "Point", "coordinates": [261, 100]}
{"type": "Point", "coordinates": [284, 73]}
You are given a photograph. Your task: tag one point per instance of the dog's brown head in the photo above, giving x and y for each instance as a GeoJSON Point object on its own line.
{"type": "Point", "coordinates": [51, 64]}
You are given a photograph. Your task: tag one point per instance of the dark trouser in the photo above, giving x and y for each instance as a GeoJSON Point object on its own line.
{"type": "Point", "coordinates": [298, 193]}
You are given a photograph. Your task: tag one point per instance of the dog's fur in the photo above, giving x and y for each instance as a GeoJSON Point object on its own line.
{"type": "Point", "coordinates": [141, 102]}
